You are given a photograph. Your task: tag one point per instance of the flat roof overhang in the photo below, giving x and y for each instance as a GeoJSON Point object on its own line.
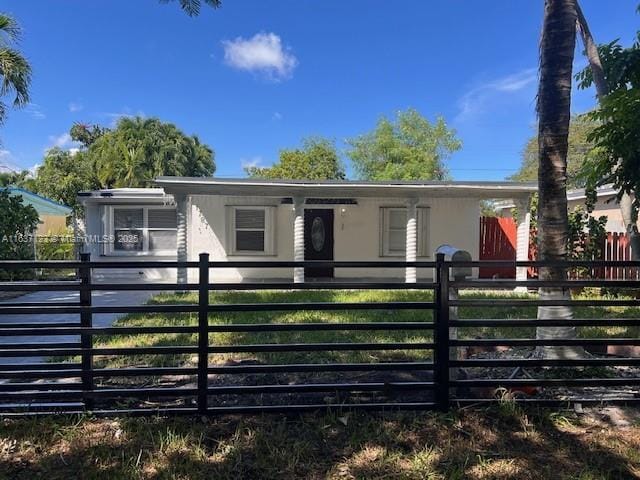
{"type": "Point", "coordinates": [329, 189]}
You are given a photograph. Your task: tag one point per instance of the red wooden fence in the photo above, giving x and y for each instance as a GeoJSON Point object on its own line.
{"type": "Point", "coordinates": [497, 242]}
{"type": "Point", "coordinates": [618, 247]}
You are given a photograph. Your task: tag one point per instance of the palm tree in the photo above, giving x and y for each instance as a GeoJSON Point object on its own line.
{"type": "Point", "coordinates": [192, 7]}
{"type": "Point", "coordinates": [15, 71]}
{"type": "Point", "coordinates": [554, 113]}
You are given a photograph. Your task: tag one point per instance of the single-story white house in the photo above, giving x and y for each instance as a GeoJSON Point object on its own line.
{"type": "Point", "coordinates": [247, 219]}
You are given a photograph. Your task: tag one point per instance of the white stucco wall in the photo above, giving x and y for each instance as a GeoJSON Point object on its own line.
{"type": "Point", "coordinates": [603, 206]}
{"type": "Point", "coordinates": [95, 222]}
{"type": "Point", "coordinates": [356, 233]}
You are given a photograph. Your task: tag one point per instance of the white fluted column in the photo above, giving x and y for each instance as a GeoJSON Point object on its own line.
{"type": "Point", "coordinates": [412, 239]}
{"type": "Point", "coordinates": [522, 238]}
{"type": "Point", "coordinates": [181, 234]}
{"type": "Point", "coordinates": [298, 238]}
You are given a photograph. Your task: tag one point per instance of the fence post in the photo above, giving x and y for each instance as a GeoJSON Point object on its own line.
{"type": "Point", "coordinates": [203, 333]}
{"type": "Point", "coordinates": [86, 338]}
{"type": "Point", "coordinates": [441, 334]}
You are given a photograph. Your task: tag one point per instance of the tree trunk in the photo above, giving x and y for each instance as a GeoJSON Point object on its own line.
{"type": "Point", "coordinates": [554, 113]}
{"type": "Point", "coordinates": [602, 90]}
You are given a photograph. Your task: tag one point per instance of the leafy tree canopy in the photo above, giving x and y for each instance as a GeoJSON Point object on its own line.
{"type": "Point", "coordinates": [580, 150]}
{"type": "Point", "coordinates": [140, 149]}
{"type": "Point", "coordinates": [618, 134]}
{"type": "Point", "coordinates": [86, 134]}
{"type": "Point", "coordinates": [409, 148]}
{"type": "Point", "coordinates": [63, 174]}
{"type": "Point", "coordinates": [317, 159]}
{"type": "Point", "coordinates": [23, 179]}
{"type": "Point", "coordinates": [133, 154]}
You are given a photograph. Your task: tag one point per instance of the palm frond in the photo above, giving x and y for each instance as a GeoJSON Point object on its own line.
{"type": "Point", "coordinates": [192, 7]}
{"type": "Point", "coordinates": [15, 76]}
{"type": "Point", "coordinates": [9, 28]}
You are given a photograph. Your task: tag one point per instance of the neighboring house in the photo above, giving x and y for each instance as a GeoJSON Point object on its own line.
{"type": "Point", "coordinates": [53, 215]}
{"type": "Point", "coordinates": [606, 205]}
{"type": "Point", "coordinates": [267, 220]}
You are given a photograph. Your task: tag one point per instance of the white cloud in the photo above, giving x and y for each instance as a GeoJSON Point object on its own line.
{"type": "Point", "coordinates": [7, 162]}
{"type": "Point", "coordinates": [263, 53]}
{"type": "Point", "coordinates": [125, 113]}
{"type": "Point", "coordinates": [476, 100]}
{"type": "Point", "coordinates": [63, 141]}
{"type": "Point", "coordinates": [34, 110]}
{"type": "Point", "coordinates": [75, 107]}
{"type": "Point", "coordinates": [252, 162]}
{"type": "Point", "coordinates": [276, 116]}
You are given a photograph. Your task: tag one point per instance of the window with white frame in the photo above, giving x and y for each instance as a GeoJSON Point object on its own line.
{"type": "Point", "coordinates": [143, 230]}
{"type": "Point", "coordinates": [393, 231]}
{"type": "Point", "coordinates": [251, 230]}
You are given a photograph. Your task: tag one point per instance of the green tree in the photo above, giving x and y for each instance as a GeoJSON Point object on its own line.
{"type": "Point", "coordinates": [22, 179]}
{"type": "Point", "coordinates": [15, 71]}
{"type": "Point", "coordinates": [140, 149]}
{"type": "Point", "coordinates": [579, 151]}
{"type": "Point", "coordinates": [17, 225]}
{"type": "Point", "coordinates": [63, 174]}
{"type": "Point", "coordinates": [409, 148]}
{"type": "Point", "coordinates": [557, 47]}
{"type": "Point", "coordinates": [316, 160]}
{"type": "Point", "coordinates": [86, 134]}
{"type": "Point", "coordinates": [615, 72]}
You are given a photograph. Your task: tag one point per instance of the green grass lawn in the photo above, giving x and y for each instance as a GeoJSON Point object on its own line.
{"type": "Point", "coordinates": [503, 442]}
{"type": "Point", "coordinates": [305, 316]}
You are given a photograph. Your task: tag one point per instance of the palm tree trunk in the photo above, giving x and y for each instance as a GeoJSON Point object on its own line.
{"type": "Point", "coordinates": [602, 90]}
{"type": "Point", "coordinates": [554, 112]}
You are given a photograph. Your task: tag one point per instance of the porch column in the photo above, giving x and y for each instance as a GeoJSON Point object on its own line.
{"type": "Point", "coordinates": [522, 237]}
{"type": "Point", "coordinates": [298, 238]}
{"type": "Point", "coordinates": [412, 239]}
{"type": "Point", "coordinates": [181, 234]}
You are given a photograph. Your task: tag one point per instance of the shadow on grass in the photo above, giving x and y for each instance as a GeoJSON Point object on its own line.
{"type": "Point", "coordinates": [502, 442]}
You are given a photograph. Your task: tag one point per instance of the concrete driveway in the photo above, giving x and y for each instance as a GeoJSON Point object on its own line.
{"type": "Point", "coordinates": [100, 298]}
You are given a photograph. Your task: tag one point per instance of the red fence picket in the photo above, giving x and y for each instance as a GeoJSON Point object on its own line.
{"type": "Point", "coordinates": [617, 247]}
{"type": "Point", "coordinates": [497, 242]}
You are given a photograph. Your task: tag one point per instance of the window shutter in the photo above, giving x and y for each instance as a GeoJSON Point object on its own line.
{"type": "Point", "coordinates": [250, 219]}
{"type": "Point", "coordinates": [162, 218]}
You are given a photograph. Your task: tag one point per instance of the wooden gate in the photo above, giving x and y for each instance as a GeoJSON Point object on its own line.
{"type": "Point", "coordinates": [497, 242]}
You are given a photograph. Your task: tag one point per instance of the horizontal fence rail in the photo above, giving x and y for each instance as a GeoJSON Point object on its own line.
{"type": "Point", "coordinates": [53, 355]}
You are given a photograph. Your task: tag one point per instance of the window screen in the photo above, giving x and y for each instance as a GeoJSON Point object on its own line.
{"type": "Point", "coordinates": [397, 234]}
{"type": "Point", "coordinates": [128, 218]}
{"type": "Point", "coordinates": [249, 230]}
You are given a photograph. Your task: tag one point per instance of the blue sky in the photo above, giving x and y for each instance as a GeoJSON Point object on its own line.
{"type": "Point", "coordinates": [257, 75]}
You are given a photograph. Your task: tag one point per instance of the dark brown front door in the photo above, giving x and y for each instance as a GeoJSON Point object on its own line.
{"type": "Point", "coordinates": [318, 239]}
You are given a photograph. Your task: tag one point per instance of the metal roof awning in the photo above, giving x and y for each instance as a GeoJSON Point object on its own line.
{"type": "Point", "coordinates": [343, 189]}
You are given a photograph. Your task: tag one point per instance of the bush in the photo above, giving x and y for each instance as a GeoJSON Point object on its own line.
{"type": "Point", "coordinates": [17, 225]}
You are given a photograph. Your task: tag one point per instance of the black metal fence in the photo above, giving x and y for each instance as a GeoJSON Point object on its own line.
{"type": "Point", "coordinates": [48, 362]}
